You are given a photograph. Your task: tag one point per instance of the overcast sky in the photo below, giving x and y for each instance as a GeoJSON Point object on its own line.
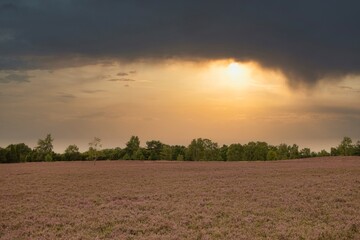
{"type": "Point", "coordinates": [231, 71]}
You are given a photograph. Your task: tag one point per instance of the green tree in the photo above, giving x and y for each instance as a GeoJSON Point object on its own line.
{"type": "Point", "coordinates": [346, 148]}
{"type": "Point", "coordinates": [48, 158]}
{"type": "Point", "coordinates": [72, 153]}
{"type": "Point", "coordinates": [248, 153]}
{"type": "Point", "coordinates": [139, 155]}
{"type": "Point", "coordinates": [255, 151]}
{"type": "Point", "coordinates": [323, 153]}
{"type": "Point", "coordinates": [261, 150]}
{"type": "Point", "coordinates": [178, 150]}
{"type": "Point", "coordinates": [195, 151]}
{"type": "Point", "coordinates": [283, 151]}
{"type": "Point", "coordinates": [3, 153]}
{"type": "Point", "coordinates": [334, 151]}
{"type": "Point", "coordinates": [314, 154]}
{"type": "Point", "coordinates": [203, 149]}
{"type": "Point", "coordinates": [271, 155]}
{"type": "Point", "coordinates": [305, 153]}
{"type": "Point", "coordinates": [154, 149]}
{"type": "Point", "coordinates": [223, 152]}
{"type": "Point", "coordinates": [357, 149]}
{"type": "Point", "coordinates": [132, 146]}
{"type": "Point", "coordinates": [44, 148]}
{"type": "Point", "coordinates": [294, 152]}
{"type": "Point", "coordinates": [235, 152]}
{"type": "Point", "coordinates": [166, 152]}
{"type": "Point", "coordinates": [211, 150]}
{"type": "Point", "coordinates": [180, 157]}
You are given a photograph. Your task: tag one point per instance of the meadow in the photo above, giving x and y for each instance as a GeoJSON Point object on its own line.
{"type": "Point", "coordinates": [316, 198]}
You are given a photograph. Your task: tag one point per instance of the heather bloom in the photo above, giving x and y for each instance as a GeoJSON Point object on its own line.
{"type": "Point", "coordinates": [297, 199]}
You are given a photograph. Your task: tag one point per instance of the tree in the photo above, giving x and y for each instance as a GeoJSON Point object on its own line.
{"type": "Point", "coordinates": [3, 153]}
{"type": "Point", "coordinates": [305, 153]}
{"type": "Point", "coordinates": [271, 155]}
{"type": "Point", "coordinates": [44, 148]}
{"type": "Point", "coordinates": [323, 153]}
{"type": "Point", "coordinates": [166, 152]}
{"type": "Point", "coordinates": [249, 150]}
{"type": "Point", "coordinates": [195, 151]}
{"type": "Point", "coordinates": [235, 152]}
{"type": "Point", "coordinates": [94, 148]}
{"type": "Point", "coordinates": [17, 152]}
{"type": "Point", "coordinates": [211, 150]}
{"type": "Point", "coordinates": [255, 151]}
{"type": "Point", "coordinates": [154, 149]}
{"type": "Point", "coordinates": [223, 152]}
{"type": "Point", "coordinates": [346, 148]}
{"type": "Point", "coordinates": [283, 151]}
{"type": "Point", "coordinates": [178, 150]}
{"type": "Point", "coordinates": [203, 149]}
{"type": "Point", "coordinates": [294, 151]}
{"type": "Point", "coordinates": [72, 153]}
{"type": "Point", "coordinates": [131, 147]}
{"type": "Point", "coordinates": [357, 149]}
{"type": "Point", "coordinates": [261, 150]}
{"type": "Point", "coordinates": [139, 155]}
{"type": "Point", "coordinates": [334, 151]}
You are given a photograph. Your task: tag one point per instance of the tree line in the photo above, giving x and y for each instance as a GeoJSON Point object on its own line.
{"type": "Point", "coordinates": [198, 150]}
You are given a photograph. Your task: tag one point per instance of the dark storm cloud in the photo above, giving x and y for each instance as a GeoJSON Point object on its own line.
{"type": "Point", "coordinates": [307, 40]}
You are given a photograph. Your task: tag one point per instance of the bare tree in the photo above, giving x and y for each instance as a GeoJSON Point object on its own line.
{"type": "Point", "coordinates": [94, 148]}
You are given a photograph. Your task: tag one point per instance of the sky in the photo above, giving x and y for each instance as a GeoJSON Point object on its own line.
{"type": "Point", "coordinates": [231, 71]}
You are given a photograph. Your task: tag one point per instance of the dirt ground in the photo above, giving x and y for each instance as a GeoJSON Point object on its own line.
{"type": "Point", "coordinates": [316, 198]}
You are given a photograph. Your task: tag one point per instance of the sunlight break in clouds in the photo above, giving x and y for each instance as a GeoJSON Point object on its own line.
{"type": "Point", "coordinates": [225, 100]}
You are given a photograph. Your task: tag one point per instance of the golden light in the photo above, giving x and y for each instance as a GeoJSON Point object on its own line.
{"type": "Point", "coordinates": [228, 74]}
{"type": "Point", "coordinates": [237, 74]}
{"type": "Point", "coordinates": [234, 69]}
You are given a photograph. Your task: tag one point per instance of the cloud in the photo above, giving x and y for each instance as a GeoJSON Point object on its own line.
{"type": "Point", "coordinates": [350, 89]}
{"type": "Point", "coordinates": [16, 78]}
{"type": "Point", "coordinates": [92, 115]}
{"type": "Point", "coordinates": [121, 80]}
{"type": "Point", "coordinates": [67, 95]}
{"type": "Point", "coordinates": [8, 7]}
{"type": "Point", "coordinates": [346, 87]}
{"type": "Point", "coordinates": [122, 74]}
{"type": "Point", "coordinates": [307, 40]}
{"type": "Point", "coordinates": [338, 111]}
{"type": "Point", "coordinates": [93, 91]}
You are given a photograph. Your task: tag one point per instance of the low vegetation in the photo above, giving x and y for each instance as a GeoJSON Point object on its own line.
{"type": "Point", "coordinates": [198, 150]}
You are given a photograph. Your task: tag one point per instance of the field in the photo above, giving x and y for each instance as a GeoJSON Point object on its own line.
{"type": "Point", "coordinates": [315, 198]}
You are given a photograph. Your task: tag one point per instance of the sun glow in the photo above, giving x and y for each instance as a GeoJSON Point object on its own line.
{"type": "Point", "coordinates": [234, 70]}
{"type": "Point", "coordinates": [230, 74]}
